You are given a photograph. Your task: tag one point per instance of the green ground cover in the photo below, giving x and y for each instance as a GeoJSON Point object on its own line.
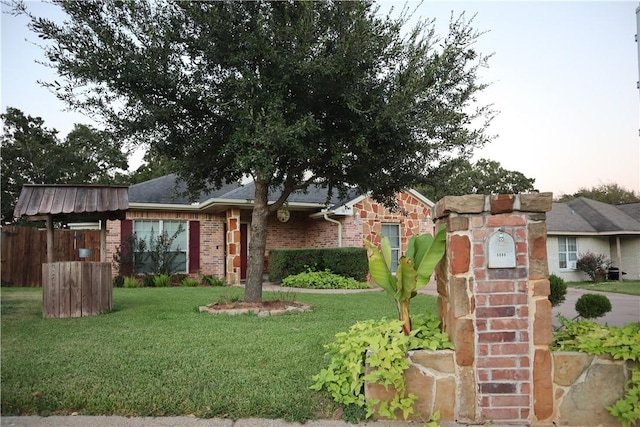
{"type": "Point", "coordinates": [626, 287]}
{"type": "Point", "coordinates": [155, 355]}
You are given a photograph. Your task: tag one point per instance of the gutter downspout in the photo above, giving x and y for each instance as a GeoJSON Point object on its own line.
{"type": "Point", "coordinates": [326, 218]}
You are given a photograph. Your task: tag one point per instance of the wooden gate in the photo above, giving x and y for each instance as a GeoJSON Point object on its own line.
{"type": "Point", "coordinates": [24, 250]}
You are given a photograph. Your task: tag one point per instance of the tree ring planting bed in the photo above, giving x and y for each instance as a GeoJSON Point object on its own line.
{"type": "Point", "coordinates": [266, 308]}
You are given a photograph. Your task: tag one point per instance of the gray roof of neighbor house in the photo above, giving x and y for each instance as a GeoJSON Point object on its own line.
{"type": "Point", "coordinates": [586, 216]}
{"type": "Point", "coordinates": [169, 190]}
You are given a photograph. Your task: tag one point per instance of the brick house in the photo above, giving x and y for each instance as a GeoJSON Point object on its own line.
{"type": "Point", "coordinates": [215, 227]}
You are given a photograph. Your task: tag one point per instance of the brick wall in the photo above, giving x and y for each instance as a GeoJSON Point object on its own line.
{"type": "Point", "coordinates": [499, 319]}
{"type": "Point", "coordinates": [300, 231]}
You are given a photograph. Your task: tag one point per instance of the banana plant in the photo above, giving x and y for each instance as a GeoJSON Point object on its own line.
{"type": "Point", "coordinates": [414, 271]}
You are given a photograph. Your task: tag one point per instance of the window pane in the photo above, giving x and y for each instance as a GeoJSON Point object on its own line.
{"type": "Point", "coordinates": [171, 227]}
{"type": "Point", "coordinates": [392, 231]}
{"type": "Point", "coordinates": [562, 244]}
{"type": "Point", "coordinates": [149, 231]}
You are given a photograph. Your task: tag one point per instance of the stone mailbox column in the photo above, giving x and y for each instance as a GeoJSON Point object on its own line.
{"type": "Point", "coordinates": [493, 301]}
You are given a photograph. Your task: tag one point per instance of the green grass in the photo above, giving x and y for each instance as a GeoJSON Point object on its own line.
{"type": "Point", "coordinates": [626, 287]}
{"type": "Point", "coordinates": [155, 355]}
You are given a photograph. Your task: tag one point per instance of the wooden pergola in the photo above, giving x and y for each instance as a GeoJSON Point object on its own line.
{"type": "Point", "coordinates": [73, 203]}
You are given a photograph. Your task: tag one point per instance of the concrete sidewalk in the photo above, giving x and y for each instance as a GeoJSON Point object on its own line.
{"type": "Point", "coordinates": [115, 421]}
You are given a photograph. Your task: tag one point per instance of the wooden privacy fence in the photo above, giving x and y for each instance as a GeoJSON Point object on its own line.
{"type": "Point", "coordinates": [24, 250]}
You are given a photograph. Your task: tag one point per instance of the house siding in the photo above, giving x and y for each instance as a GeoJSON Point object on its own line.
{"type": "Point", "coordinates": [596, 245]}
{"type": "Point", "coordinates": [211, 236]}
{"type": "Point", "coordinates": [630, 248]}
{"type": "Point", "coordinates": [300, 231]}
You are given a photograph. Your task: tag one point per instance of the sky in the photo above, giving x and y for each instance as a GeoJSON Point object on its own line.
{"type": "Point", "coordinates": [563, 79]}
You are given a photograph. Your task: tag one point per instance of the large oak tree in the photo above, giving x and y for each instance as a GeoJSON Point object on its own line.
{"type": "Point", "coordinates": [459, 176]}
{"type": "Point", "coordinates": [288, 93]}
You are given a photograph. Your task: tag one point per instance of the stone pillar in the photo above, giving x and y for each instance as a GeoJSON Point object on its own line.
{"type": "Point", "coordinates": [233, 246]}
{"type": "Point", "coordinates": [493, 303]}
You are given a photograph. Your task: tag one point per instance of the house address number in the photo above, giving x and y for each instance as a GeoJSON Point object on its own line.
{"type": "Point", "coordinates": [502, 250]}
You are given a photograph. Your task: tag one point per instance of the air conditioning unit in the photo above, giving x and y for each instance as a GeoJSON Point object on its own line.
{"type": "Point", "coordinates": [571, 265]}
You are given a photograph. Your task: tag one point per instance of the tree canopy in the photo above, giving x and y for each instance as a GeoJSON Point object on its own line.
{"type": "Point", "coordinates": [611, 193]}
{"type": "Point", "coordinates": [34, 154]}
{"type": "Point", "coordinates": [289, 93]}
{"type": "Point", "coordinates": [459, 177]}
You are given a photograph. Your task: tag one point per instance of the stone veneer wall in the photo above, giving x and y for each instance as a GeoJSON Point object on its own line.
{"type": "Point", "coordinates": [583, 386]}
{"type": "Point", "coordinates": [499, 319]}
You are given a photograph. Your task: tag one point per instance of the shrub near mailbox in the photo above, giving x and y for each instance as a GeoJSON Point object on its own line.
{"type": "Point", "coordinates": [502, 250]}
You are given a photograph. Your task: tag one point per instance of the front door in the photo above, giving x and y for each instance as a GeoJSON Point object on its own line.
{"type": "Point", "coordinates": [244, 247]}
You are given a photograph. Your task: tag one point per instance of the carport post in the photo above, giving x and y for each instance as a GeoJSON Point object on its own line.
{"type": "Point", "coordinates": [49, 239]}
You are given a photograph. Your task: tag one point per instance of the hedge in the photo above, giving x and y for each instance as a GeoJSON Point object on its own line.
{"type": "Point", "coordinates": [348, 262]}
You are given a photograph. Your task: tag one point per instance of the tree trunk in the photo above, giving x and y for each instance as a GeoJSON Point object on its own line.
{"type": "Point", "coordinates": [257, 243]}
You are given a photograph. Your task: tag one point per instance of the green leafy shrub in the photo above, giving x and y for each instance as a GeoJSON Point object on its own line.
{"type": "Point", "coordinates": [382, 346]}
{"type": "Point", "coordinates": [162, 281]}
{"type": "Point", "coordinates": [177, 278]}
{"type": "Point", "coordinates": [621, 343]}
{"type": "Point", "coordinates": [347, 262]}
{"type": "Point", "coordinates": [558, 290]}
{"type": "Point", "coordinates": [118, 281]}
{"type": "Point", "coordinates": [627, 409]}
{"type": "Point", "coordinates": [131, 282]}
{"type": "Point", "coordinates": [212, 280]}
{"type": "Point", "coordinates": [594, 265]}
{"type": "Point", "coordinates": [148, 280]}
{"type": "Point", "coordinates": [424, 252]}
{"type": "Point", "coordinates": [591, 306]}
{"type": "Point", "coordinates": [189, 283]}
{"type": "Point", "coordinates": [322, 280]}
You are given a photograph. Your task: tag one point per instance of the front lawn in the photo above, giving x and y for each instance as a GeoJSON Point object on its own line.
{"type": "Point", "coordinates": [626, 287]}
{"type": "Point", "coordinates": [155, 355]}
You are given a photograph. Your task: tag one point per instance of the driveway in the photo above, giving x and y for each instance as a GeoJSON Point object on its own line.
{"type": "Point", "coordinates": [624, 308]}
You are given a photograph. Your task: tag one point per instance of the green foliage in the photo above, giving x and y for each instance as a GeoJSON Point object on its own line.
{"type": "Point", "coordinates": [381, 346]}
{"type": "Point", "coordinates": [629, 287]}
{"type": "Point", "coordinates": [189, 283]}
{"type": "Point", "coordinates": [303, 95]}
{"type": "Point", "coordinates": [213, 280]}
{"type": "Point", "coordinates": [459, 176]}
{"type": "Point", "coordinates": [118, 281]}
{"type": "Point", "coordinates": [229, 298]}
{"type": "Point", "coordinates": [594, 265]}
{"type": "Point", "coordinates": [347, 262]}
{"type": "Point", "coordinates": [611, 193]}
{"type": "Point", "coordinates": [558, 290]}
{"type": "Point", "coordinates": [162, 281]}
{"type": "Point", "coordinates": [591, 306]}
{"type": "Point", "coordinates": [424, 252]}
{"type": "Point", "coordinates": [621, 343]}
{"type": "Point", "coordinates": [323, 280]}
{"type": "Point", "coordinates": [627, 409]}
{"type": "Point", "coordinates": [161, 253]}
{"type": "Point", "coordinates": [125, 260]}
{"type": "Point", "coordinates": [155, 356]}
{"type": "Point", "coordinates": [131, 282]}
{"type": "Point", "coordinates": [148, 281]}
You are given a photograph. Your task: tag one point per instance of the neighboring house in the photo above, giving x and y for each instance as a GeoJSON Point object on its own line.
{"type": "Point", "coordinates": [581, 225]}
{"type": "Point", "coordinates": [215, 237]}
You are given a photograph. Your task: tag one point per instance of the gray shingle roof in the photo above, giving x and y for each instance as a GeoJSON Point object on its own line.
{"type": "Point", "coordinates": [588, 216]}
{"type": "Point", "coordinates": [169, 189]}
